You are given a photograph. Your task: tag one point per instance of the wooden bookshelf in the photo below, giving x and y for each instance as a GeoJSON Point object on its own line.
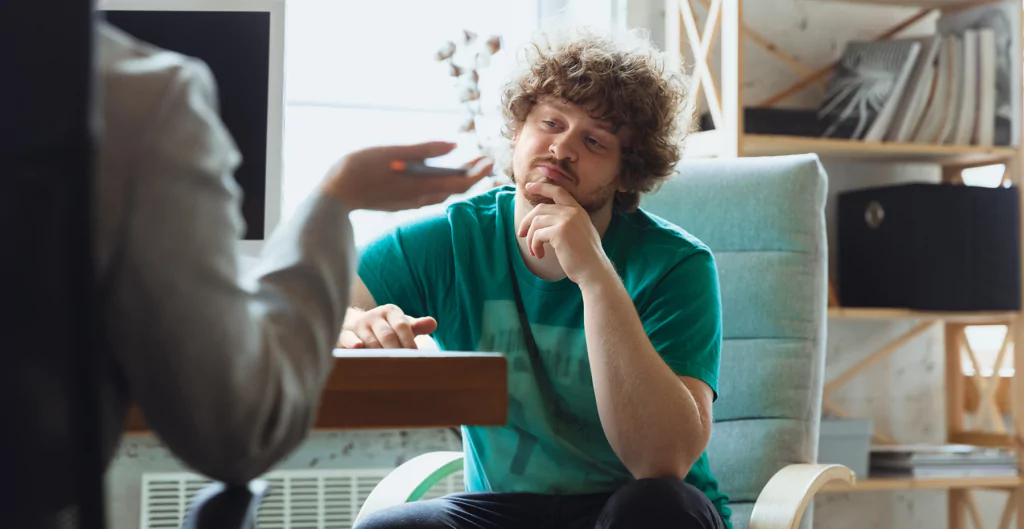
{"type": "Point", "coordinates": [975, 394]}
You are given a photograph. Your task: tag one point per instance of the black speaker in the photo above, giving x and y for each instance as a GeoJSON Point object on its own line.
{"type": "Point", "coordinates": [930, 247]}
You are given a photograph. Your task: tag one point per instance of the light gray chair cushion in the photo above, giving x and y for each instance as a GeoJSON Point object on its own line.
{"type": "Point", "coordinates": [764, 220]}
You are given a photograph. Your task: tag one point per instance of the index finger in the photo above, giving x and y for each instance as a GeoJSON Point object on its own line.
{"type": "Point", "coordinates": [556, 193]}
{"type": "Point", "coordinates": [349, 340]}
{"type": "Point", "coordinates": [399, 322]}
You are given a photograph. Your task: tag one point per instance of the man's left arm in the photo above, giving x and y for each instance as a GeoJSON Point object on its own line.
{"type": "Point", "coordinates": [656, 421]}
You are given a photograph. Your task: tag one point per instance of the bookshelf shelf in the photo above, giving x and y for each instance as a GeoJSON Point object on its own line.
{"type": "Point", "coordinates": [974, 318]}
{"type": "Point", "coordinates": [768, 145]}
{"type": "Point", "coordinates": [708, 144]}
{"type": "Point", "coordinates": [905, 3]}
{"type": "Point", "coordinates": [882, 484]}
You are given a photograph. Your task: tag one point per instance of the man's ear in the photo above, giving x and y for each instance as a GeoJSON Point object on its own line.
{"type": "Point", "coordinates": [618, 181]}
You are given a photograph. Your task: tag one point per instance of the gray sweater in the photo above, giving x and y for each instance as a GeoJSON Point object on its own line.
{"type": "Point", "coordinates": [226, 369]}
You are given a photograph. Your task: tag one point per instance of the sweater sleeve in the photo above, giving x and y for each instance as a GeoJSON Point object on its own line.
{"type": "Point", "coordinates": [226, 369]}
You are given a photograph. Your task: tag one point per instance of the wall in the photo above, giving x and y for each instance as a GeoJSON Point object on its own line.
{"type": "Point", "coordinates": [904, 393]}
{"type": "Point", "coordinates": [140, 454]}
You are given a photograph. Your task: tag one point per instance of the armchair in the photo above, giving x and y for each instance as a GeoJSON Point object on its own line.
{"type": "Point", "coordinates": [764, 220]}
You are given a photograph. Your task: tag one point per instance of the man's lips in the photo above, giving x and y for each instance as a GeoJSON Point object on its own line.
{"type": "Point", "coordinates": [553, 174]}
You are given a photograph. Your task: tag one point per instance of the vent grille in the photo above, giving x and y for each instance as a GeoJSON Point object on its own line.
{"type": "Point", "coordinates": [298, 499]}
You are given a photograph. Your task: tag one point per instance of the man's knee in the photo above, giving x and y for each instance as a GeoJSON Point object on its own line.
{"type": "Point", "coordinates": [659, 502]}
{"type": "Point", "coordinates": [381, 520]}
{"type": "Point", "coordinates": [415, 515]}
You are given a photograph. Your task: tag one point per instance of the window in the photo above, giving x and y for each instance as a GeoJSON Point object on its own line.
{"type": "Point", "coordinates": [363, 73]}
{"type": "Point", "coordinates": [986, 341]}
{"type": "Point", "coordinates": [985, 176]}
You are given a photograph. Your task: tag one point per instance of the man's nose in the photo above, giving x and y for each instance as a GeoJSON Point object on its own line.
{"type": "Point", "coordinates": [562, 149]}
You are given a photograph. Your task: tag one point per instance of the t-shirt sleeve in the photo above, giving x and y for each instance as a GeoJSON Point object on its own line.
{"type": "Point", "coordinates": [684, 318]}
{"type": "Point", "coordinates": [405, 267]}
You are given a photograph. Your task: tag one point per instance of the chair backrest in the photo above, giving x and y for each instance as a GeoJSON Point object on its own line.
{"type": "Point", "coordinates": [764, 220]}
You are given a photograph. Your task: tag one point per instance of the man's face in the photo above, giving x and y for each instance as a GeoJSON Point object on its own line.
{"type": "Point", "coordinates": [561, 144]}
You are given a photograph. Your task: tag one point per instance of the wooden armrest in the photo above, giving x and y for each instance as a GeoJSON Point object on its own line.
{"type": "Point", "coordinates": [410, 481]}
{"type": "Point", "coordinates": [782, 503]}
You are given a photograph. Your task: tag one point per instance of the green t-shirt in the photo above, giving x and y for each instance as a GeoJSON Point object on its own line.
{"type": "Point", "coordinates": [455, 267]}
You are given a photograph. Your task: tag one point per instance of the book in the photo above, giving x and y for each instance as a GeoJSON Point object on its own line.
{"type": "Point", "coordinates": [933, 119]}
{"type": "Point", "coordinates": [967, 117]}
{"type": "Point", "coordinates": [865, 88]}
{"type": "Point", "coordinates": [912, 455]}
{"type": "Point", "coordinates": [946, 472]}
{"type": "Point", "coordinates": [918, 90]}
{"type": "Point", "coordinates": [1003, 18]}
{"type": "Point", "coordinates": [985, 124]}
{"type": "Point", "coordinates": [956, 84]}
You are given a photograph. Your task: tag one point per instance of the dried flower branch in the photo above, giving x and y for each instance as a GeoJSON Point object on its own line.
{"type": "Point", "coordinates": [446, 51]}
{"type": "Point", "coordinates": [467, 75]}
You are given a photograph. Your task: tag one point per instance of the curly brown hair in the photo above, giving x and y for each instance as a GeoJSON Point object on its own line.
{"type": "Point", "coordinates": [620, 80]}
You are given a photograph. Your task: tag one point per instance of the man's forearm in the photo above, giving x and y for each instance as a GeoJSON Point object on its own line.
{"type": "Point", "coordinates": [649, 416]}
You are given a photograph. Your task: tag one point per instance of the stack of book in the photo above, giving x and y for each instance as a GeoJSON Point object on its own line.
{"type": "Point", "coordinates": [960, 86]}
{"type": "Point", "coordinates": [928, 461]}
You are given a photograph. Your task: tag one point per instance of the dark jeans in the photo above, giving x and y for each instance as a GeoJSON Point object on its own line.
{"type": "Point", "coordinates": [643, 504]}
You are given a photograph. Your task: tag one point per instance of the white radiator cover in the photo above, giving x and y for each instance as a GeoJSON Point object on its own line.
{"type": "Point", "coordinates": [298, 499]}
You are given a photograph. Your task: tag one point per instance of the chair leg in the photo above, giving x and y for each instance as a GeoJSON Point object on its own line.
{"type": "Point", "coordinates": [218, 506]}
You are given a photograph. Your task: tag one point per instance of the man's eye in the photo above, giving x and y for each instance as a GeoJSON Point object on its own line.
{"type": "Point", "coordinates": [549, 123]}
{"type": "Point", "coordinates": [593, 142]}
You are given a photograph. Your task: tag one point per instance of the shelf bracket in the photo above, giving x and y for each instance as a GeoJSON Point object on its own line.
{"type": "Point", "coordinates": [791, 62]}
{"type": "Point", "coordinates": [988, 410]}
{"type": "Point", "coordinates": [700, 43]}
{"type": "Point", "coordinates": [874, 357]}
{"type": "Point", "coordinates": [1010, 509]}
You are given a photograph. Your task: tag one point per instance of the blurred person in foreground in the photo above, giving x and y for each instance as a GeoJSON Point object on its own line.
{"type": "Point", "coordinates": [226, 367]}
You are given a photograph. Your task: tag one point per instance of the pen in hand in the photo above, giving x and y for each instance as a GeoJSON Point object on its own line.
{"type": "Point", "coordinates": [419, 167]}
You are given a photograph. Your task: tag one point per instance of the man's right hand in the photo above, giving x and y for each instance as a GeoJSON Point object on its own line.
{"type": "Point", "coordinates": [383, 327]}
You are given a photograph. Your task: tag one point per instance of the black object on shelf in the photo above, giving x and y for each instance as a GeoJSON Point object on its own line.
{"type": "Point", "coordinates": [930, 247]}
{"type": "Point", "coordinates": [781, 121]}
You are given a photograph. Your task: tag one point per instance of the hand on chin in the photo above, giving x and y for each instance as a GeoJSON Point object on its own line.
{"type": "Point", "coordinates": [536, 199]}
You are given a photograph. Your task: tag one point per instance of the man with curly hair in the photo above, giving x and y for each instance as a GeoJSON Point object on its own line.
{"type": "Point", "coordinates": [610, 317]}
